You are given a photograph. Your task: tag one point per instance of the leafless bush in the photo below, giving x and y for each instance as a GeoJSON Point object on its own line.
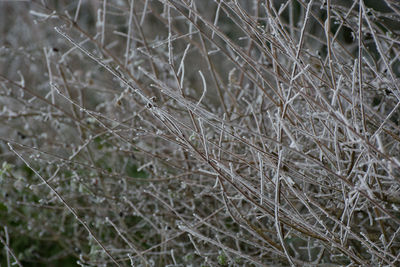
{"type": "Point", "coordinates": [202, 133]}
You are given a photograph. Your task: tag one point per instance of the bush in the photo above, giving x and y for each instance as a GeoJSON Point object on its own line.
{"type": "Point", "coordinates": [200, 133]}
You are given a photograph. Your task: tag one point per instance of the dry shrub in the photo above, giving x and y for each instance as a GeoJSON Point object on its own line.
{"type": "Point", "coordinates": [189, 133]}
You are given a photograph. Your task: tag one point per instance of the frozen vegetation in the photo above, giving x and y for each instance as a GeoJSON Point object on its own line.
{"type": "Point", "coordinates": [200, 133]}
